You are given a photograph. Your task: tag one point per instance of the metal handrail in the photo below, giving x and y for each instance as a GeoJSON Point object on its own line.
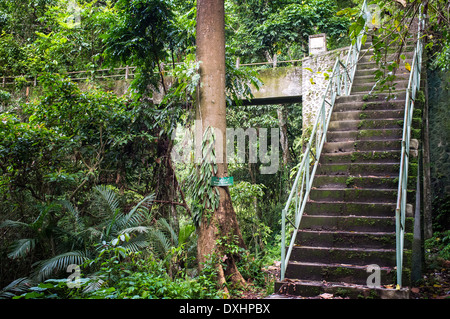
{"type": "Point", "coordinates": [340, 83]}
{"type": "Point", "coordinates": [413, 88]}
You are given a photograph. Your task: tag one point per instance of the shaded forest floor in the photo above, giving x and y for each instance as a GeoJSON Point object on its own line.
{"type": "Point", "coordinates": [435, 283]}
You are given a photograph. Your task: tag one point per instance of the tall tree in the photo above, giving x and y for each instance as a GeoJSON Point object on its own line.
{"type": "Point", "coordinates": [218, 229]}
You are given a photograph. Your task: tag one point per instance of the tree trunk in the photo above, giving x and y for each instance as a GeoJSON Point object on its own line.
{"type": "Point", "coordinates": [167, 183]}
{"type": "Point", "coordinates": [282, 120]}
{"type": "Point", "coordinates": [211, 110]}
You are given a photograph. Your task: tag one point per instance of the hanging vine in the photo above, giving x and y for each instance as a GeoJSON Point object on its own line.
{"type": "Point", "coordinates": [205, 197]}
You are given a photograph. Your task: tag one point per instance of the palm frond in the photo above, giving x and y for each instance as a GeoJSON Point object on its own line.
{"type": "Point", "coordinates": [95, 283]}
{"type": "Point", "coordinates": [159, 242]}
{"type": "Point", "coordinates": [19, 285]}
{"type": "Point", "coordinates": [69, 240]}
{"type": "Point", "coordinates": [93, 233]}
{"type": "Point", "coordinates": [185, 233]}
{"type": "Point", "coordinates": [136, 245]}
{"type": "Point", "coordinates": [109, 196]}
{"type": "Point", "coordinates": [78, 225]}
{"type": "Point", "coordinates": [48, 267]}
{"type": "Point", "coordinates": [137, 215]}
{"type": "Point", "coordinates": [13, 223]}
{"type": "Point", "coordinates": [165, 226]}
{"type": "Point", "coordinates": [135, 229]}
{"type": "Point", "coordinates": [44, 211]}
{"type": "Point", "coordinates": [147, 199]}
{"type": "Point", "coordinates": [113, 204]}
{"type": "Point", "coordinates": [21, 247]}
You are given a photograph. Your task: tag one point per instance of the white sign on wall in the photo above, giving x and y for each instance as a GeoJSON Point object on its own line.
{"type": "Point", "coordinates": [317, 43]}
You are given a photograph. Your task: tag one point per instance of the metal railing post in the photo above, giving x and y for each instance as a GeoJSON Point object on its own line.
{"type": "Point", "coordinates": [283, 244]}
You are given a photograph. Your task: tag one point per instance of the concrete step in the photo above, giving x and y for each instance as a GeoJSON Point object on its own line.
{"type": "Point", "coordinates": [326, 181]}
{"type": "Point", "coordinates": [348, 223]}
{"type": "Point", "coordinates": [355, 274]}
{"type": "Point", "coordinates": [362, 145]}
{"type": "Point", "coordinates": [371, 78]}
{"type": "Point", "coordinates": [361, 157]}
{"type": "Point", "coordinates": [369, 106]}
{"type": "Point", "coordinates": [357, 135]}
{"type": "Point", "coordinates": [372, 64]}
{"type": "Point", "coordinates": [353, 256]}
{"type": "Point", "coordinates": [365, 124]}
{"type": "Point", "coordinates": [356, 169]}
{"type": "Point", "coordinates": [369, 61]}
{"type": "Point", "coordinates": [385, 96]}
{"type": "Point", "coordinates": [333, 208]}
{"type": "Point", "coordinates": [311, 288]}
{"type": "Point", "coordinates": [380, 240]}
{"type": "Point", "coordinates": [409, 46]}
{"type": "Point", "coordinates": [367, 114]}
{"type": "Point", "coordinates": [369, 56]}
{"type": "Point", "coordinates": [371, 72]}
{"type": "Point", "coordinates": [368, 87]}
{"type": "Point", "coordinates": [377, 195]}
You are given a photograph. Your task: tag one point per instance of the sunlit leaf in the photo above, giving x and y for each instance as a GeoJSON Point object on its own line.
{"type": "Point", "coordinates": [408, 66]}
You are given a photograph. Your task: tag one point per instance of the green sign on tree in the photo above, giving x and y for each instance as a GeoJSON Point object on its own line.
{"type": "Point", "coordinates": [222, 181]}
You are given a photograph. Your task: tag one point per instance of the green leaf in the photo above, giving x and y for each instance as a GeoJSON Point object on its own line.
{"type": "Point", "coordinates": [342, 12]}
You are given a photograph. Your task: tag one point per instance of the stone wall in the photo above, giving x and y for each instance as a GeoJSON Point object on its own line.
{"type": "Point", "coordinates": [314, 82]}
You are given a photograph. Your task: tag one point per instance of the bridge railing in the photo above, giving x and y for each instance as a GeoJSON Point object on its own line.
{"type": "Point", "coordinates": [340, 83]}
{"type": "Point", "coordinates": [124, 73]}
{"type": "Point", "coordinates": [274, 63]}
{"type": "Point", "coordinates": [411, 91]}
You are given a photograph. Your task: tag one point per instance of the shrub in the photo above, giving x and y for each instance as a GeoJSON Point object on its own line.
{"type": "Point", "coordinates": [438, 248]}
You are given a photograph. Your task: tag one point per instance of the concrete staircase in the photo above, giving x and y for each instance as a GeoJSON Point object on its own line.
{"type": "Point", "coordinates": [349, 220]}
